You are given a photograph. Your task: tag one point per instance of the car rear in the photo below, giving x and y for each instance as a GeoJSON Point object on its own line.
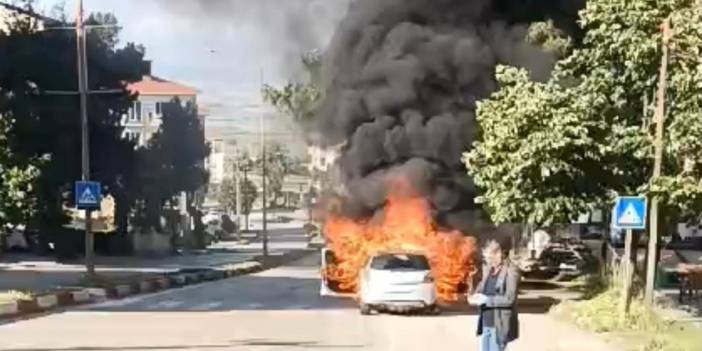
{"type": "Point", "coordinates": [397, 282]}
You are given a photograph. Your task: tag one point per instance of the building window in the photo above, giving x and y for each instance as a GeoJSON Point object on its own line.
{"type": "Point", "coordinates": [135, 114]}
{"type": "Point", "coordinates": [158, 108]}
{"type": "Point", "coordinates": [132, 136]}
{"type": "Point", "coordinates": [147, 109]}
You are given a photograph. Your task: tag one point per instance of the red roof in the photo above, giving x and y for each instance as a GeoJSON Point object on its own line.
{"type": "Point", "coordinates": [151, 85]}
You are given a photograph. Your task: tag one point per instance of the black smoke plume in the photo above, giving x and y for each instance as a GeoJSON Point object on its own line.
{"type": "Point", "coordinates": [402, 81]}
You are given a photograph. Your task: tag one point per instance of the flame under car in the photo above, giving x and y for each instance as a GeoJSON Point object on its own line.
{"type": "Point", "coordinates": [395, 282]}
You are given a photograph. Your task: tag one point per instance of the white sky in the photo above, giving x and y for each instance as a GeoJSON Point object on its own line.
{"type": "Point", "coordinates": [221, 54]}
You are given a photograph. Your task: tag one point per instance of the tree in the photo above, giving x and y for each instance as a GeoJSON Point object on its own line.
{"type": "Point", "coordinates": [534, 153]}
{"type": "Point", "coordinates": [299, 100]}
{"type": "Point", "coordinates": [278, 164]}
{"type": "Point", "coordinates": [173, 160]}
{"type": "Point", "coordinates": [15, 184]}
{"type": "Point", "coordinates": [227, 195]}
{"type": "Point", "coordinates": [45, 128]}
{"type": "Point", "coordinates": [549, 151]}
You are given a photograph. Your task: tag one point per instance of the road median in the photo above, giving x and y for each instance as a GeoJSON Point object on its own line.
{"type": "Point", "coordinates": [14, 305]}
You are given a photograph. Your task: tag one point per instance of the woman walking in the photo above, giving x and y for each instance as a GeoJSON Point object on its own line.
{"type": "Point", "coordinates": [496, 297]}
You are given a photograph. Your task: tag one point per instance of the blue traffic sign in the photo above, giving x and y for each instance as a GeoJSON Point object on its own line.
{"type": "Point", "coordinates": [630, 212]}
{"type": "Point", "coordinates": [88, 195]}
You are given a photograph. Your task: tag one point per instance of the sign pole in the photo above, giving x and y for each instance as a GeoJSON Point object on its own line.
{"type": "Point", "coordinates": [85, 154]}
{"type": "Point", "coordinates": [660, 119]}
{"type": "Point", "coordinates": [627, 268]}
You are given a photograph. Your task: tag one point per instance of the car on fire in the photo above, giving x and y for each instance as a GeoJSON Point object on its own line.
{"type": "Point", "coordinates": [397, 282]}
{"type": "Point", "coordinates": [390, 281]}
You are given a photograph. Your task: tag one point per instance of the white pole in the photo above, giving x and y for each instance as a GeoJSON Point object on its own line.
{"type": "Point", "coordinates": [237, 181]}
{"type": "Point", "coordinates": [264, 169]}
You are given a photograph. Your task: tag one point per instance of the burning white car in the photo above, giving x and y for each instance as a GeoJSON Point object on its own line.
{"type": "Point", "coordinates": [397, 282]}
{"type": "Point", "coordinates": [390, 281]}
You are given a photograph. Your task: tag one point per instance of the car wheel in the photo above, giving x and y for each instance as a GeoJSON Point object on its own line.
{"type": "Point", "coordinates": [365, 309]}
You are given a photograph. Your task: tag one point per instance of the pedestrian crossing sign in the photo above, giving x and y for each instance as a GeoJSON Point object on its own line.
{"type": "Point", "coordinates": [88, 195]}
{"type": "Point", "coordinates": [630, 212]}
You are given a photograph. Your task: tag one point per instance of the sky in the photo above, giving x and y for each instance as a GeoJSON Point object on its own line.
{"type": "Point", "coordinates": [224, 48]}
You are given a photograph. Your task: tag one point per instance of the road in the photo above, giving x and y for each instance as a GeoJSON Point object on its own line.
{"type": "Point", "coordinates": [274, 310]}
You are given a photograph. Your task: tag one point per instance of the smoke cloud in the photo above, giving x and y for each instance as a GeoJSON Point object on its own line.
{"type": "Point", "coordinates": [402, 81]}
{"type": "Point", "coordinates": [287, 28]}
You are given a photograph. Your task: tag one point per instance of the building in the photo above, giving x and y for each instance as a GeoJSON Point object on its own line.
{"type": "Point", "coordinates": [145, 116]}
{"type": "Point", "coordinates": [321, 158]}
{"type": "Point", "coordinates": [7, 12]}
{"type": "Point", "coordinates": [220, 163]}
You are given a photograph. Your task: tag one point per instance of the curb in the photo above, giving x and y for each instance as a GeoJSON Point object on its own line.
{"type": "Point", "coordinates": [9, 308]}
{"type": "Point", "coordinates": [78, 296]}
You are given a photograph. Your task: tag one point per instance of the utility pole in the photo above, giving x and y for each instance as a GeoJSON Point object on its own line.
{"type": "Point", "coordinates": [264, 174]}
{"type": "Point", "coordinates": [237, 180]}
{"type": "Point", "coordinates": [246, 181]}
{"type": "Point", "coordinates": [80, 29]}
{"type": "Point", "coordinates": [85, 152]}
{"type": "Point", "coordinates": [657, 163]}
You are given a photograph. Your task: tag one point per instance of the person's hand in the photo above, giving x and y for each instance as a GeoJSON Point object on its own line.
{"type": "Point", "coordinates": [477, 299]}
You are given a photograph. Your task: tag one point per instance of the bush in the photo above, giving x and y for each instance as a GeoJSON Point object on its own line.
{"type": "Point", "coordinates": [641, 330]}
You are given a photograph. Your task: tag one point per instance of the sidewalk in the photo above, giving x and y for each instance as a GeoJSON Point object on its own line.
{"type": "Point", "coordinates": [31, 273]}
{"type": "Point", "coordinates": [39, 274]}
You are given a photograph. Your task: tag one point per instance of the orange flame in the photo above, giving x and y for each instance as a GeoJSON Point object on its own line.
{"type": "Point", "coordinates": [407, 225]}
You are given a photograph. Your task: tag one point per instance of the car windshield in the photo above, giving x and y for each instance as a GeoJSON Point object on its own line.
{"type": "Point", "coordinates": [400, 261]}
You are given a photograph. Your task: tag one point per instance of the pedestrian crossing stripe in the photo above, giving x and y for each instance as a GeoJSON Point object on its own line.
{"type": "Point", "coordinates": [87, 197]}
{"type": "Point", "coordinates": [630, 216]}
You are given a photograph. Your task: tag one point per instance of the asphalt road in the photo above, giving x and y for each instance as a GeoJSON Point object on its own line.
{"type": "Point", "coordinates": [279, 309]}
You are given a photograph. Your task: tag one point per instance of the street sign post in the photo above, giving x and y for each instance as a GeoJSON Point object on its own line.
{"type": "Point", "coordinates": [629, 214]}
{"type": "Point", "coordinates": [88, 195]}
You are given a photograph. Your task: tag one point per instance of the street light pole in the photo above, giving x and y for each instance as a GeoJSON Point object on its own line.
{"type": "Point", "coordinates": [237, 180]}
{"type": "Point", "coordinates": [85, 152]}
{"type": "Point", "coordinates": [264, 174]}
{"type": "Point", "coordinates": [246, 180]}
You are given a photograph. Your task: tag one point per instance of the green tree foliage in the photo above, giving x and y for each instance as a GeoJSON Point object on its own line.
{"type": "Point", "coordinates": [549, 37]}
{"type": "Point", "coordinates": [534, 153]}
{"type": "Point", "coordinates": [173, 161]}
{"type": "Point", "coordinates": [45, 126]}
{"type": "Point", "coordinates": [298, 100]}
{"type": "Point", "coordinates": [278, 165]}
{"type": "Point", "coordinates": [15, 183]}
{"type": "Point", "coordinates": [551, 150]}
{"type": "Point", "coordinates": [227, 195]}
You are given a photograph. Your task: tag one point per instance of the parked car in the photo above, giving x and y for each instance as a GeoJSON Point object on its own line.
{"type": "Point", "coordinates": [212, 216]}
{"type": "Point", "coordinates": [214, 230]}
{"type": "Point", "coordinates": [397, 282]}
{"type": "Point", "coordinates": [14, 239]}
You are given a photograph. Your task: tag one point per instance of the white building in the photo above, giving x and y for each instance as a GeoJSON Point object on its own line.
{"type": "Point", "coordinates": [145, 116]}
{"type": "Point", "coordinates": [220, 163]}
{"type": "Point", "coordinates": [321, 158]}
{"type": "Point", "coordinates": [8, 11]}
